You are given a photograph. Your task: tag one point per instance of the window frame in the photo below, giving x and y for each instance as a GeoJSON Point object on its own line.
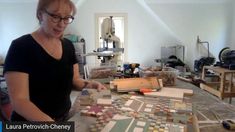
{"type": "Point", "coordinates": [97, 37]}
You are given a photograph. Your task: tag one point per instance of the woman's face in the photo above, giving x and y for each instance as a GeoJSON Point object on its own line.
{"type": "Point", "coordinates": [55, 19]}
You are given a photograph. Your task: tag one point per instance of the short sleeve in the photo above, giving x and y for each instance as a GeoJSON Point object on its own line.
{"type": "Point", "coordinates": [74, 59]}
{"type": "Point", "coordinates": [17, 58]}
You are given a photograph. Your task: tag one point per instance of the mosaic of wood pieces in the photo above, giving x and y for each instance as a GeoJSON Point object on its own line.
{"type": "Point", "coordinates": [146, 115]}
{"type": "Point", "coordinates": [96, 110]}
{"type": "Point", "coordinates": [104, 98]}
{"type": "Point", "coordinates": [102, 120]}
{"type": "Point", "coordinates": [91, 96]}
{"type": "Point", "coordinates": [129, 124]}
{"type": "Point", "coordinates": [158, 107]}
{"type": "Point", "coordinates": [86, 97]}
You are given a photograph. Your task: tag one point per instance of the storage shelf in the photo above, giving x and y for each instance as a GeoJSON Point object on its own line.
{"type": "Point", "coordinates": [222, 88]}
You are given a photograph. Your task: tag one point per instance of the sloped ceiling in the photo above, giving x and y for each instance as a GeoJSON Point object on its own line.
{"type": "Point", "coordinates": [187, 1]}
{"type": "Point", "coordinates": [147, 1]}
{"type": "Point", "coordinates": [25, 1]}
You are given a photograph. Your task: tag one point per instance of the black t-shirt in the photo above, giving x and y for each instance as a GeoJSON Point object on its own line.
{"type": "Point", "coordinates": [50, 80]}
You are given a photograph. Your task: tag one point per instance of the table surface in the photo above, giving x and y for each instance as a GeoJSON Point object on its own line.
{"type": "Point", "coordinates": [205, 107]}
{"type": "Point", "coordinates": [219, 69]}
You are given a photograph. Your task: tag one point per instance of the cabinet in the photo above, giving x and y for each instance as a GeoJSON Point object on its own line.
{"type": "Point", "coordinates": [223, 85]}
{"type": "Point", "coordinates": [80, 50]}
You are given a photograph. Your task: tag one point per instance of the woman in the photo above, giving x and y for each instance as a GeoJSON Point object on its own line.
{"type": "Point", "coordinates": [41, 68]}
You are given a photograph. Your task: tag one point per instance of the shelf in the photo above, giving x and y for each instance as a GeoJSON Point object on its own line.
{"type": "Point", "coordinates": [223, 87]}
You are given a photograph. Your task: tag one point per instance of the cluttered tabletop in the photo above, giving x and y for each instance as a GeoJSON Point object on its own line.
{"type": "Point", "coordinates": [193, 109]}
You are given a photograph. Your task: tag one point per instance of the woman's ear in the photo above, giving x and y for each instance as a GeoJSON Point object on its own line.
{"type": "Point", "coordinates": [39, 16]}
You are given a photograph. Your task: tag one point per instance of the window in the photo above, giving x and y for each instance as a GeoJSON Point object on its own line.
{"type": "Point", "coordinates": [120, 21]}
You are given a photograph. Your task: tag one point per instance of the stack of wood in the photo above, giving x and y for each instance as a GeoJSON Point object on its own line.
{"type": "Point", "coordinates": [134, 84]}
{"type": "Point", "coordinates": [97, 73]}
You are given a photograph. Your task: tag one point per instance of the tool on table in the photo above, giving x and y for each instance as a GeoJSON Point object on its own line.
{"type": "Point", "coordinates": [226, 57]}
{"type": "Point", "coordinates": [229, 124]}
{"type": "Point", "coordinates": [147, 90]}
{"type": "Point", "coordinates": [131, 70]}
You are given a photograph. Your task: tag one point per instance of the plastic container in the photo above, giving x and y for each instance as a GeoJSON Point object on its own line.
{"type": "Point", "coordinates": [167, 74]}
{"type": "Point", "coordinates": [97, 71]}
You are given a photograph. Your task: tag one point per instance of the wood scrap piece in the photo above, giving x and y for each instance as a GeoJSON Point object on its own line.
{"type": "Point", "coordinates": [94, 110]}
{"type": "Point", "coordinates": [86, 100]}
{"type": "Point", "coordinates": [185, 91]}
{"type": "Point", "coordinates": [185, 79]}
{"type": "Point", "coordinates": [171, 93]}
{"type": "Point", "coordinates": [103, 101]}
{"type": "Point", "coordinates": [100, 94]}
{"type": "Point", "coordinates": [102, 97]}
{"type": "Point", "coordinates": [166, 93]}
{"type": "Point", "coordinates": [134, 84]}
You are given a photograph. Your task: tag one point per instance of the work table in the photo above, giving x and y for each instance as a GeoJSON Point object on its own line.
{"type": "Point", "coordinates": [205, 107]}
{"type": "Point", "coordinates": [206, 104]}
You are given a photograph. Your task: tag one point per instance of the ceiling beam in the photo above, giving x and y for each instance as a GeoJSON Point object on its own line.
{"type": "Point", "coordinates": [187, 1]}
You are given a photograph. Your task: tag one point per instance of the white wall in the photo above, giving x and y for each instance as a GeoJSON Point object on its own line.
{"type": "Point", "coordinates": [145, 33]}
{"type": "Point", "coordinates": [16, 19]}
{"type": "Point", "coordinates": [232, 44]}
{"type": "Point", "coordinates": [172, 23]}
{"type": "Point", "coordinates": [210, 20]}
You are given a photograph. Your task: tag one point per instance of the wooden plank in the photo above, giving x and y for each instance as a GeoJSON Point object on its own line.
{"type": "Point", "coordinates": [104, 101]}
{"type": "Point", "coordinates": [133, 84]}
{"type": "Point", "coordinates": [175, 89]}
{"type": "Point", "coordinates": [184, 79]}
{"type": "Point", "coordinates": [195, 124]}
{"type": "Point", "coordinates": [225, 85]}
{"type": "Point", "coordinates": [170, 93]}
{"type": "Point", "coordinates": [228, 95]}
{"type": "Point", "coordinates": [222, 84]}
{"type": "Point", "coordinates": [210, 89]}
{"type": "Point", "coordinates": [213, 83]}
{"type": "Point", "coordinates": [219, 69]}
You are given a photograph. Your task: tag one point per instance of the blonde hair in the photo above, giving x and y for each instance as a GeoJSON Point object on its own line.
{"type": "Point", "coordinates": [43, 4]}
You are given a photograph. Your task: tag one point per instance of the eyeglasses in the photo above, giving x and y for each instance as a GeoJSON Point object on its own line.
{"type": "Point", "coordinates": [57, 19]}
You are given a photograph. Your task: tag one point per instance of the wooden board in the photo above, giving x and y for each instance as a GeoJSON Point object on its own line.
{"type": "Point", "coordinates": [134, 84]}
{"type": "Point", "coordinates": [102, 97]}
{"type": "Point", "coordinates": [171, 93]}
{"type": "Point", "coordinates": [184, 79]}
{"type": "Point", "coordinates": [211, 90]}
{"type": "Point", "coordinates": [103, 101]}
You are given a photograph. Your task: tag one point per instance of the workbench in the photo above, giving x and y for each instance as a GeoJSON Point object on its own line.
{"type": "Point", "coordinates": [205, 107]}
{"type": "Point", "coordinates": [223, 87]}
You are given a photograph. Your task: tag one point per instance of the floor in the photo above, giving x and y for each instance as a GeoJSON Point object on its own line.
{"type": "Point", "coordinates": [73, 96]}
